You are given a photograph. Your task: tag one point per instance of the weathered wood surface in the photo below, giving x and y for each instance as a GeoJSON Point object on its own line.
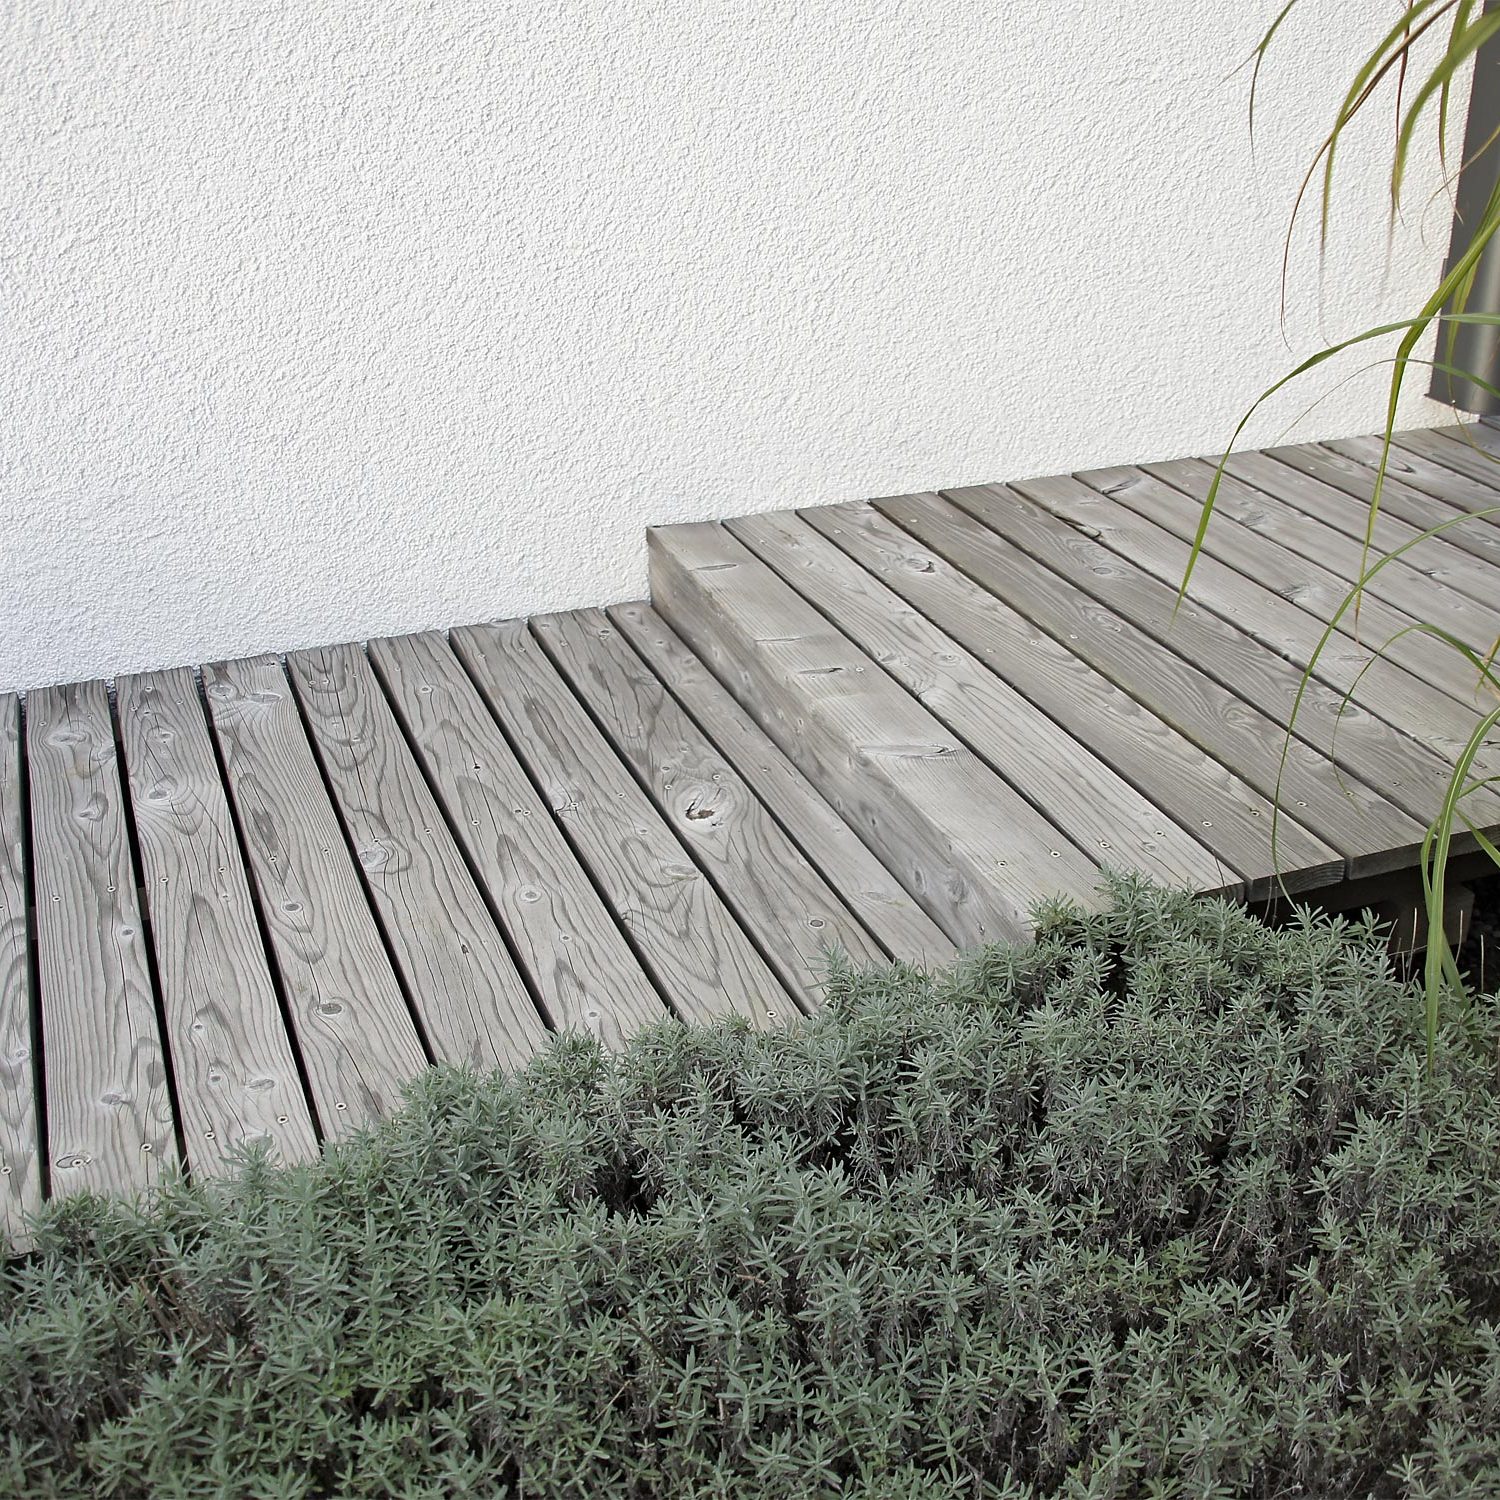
{"type": "Point", "coordinates": [109, 1113]}
{"type": "Point", "coordinates": [698, 954]}
{"type": "Point", "coordinates": [796, 919]}
{"type": "Point", "coordinates": [1417, 508]}
{"type": "Point", "coordinates": [20, 1141]}
{"type": "Point", "coordinates": [1152, 524]}
{"type": "Point", "coordinates": [356, 1036]}
{"type": "Point", "coordinates": [872, 892]}
{"type": "Point", "coordinates": [237, 1079]}
{"type": "Point", "coordinates": [473, 1006]}
{"type": "Point", "coordinates": [1481, 438]}
{"type": "Point", "coordinates": [567, 941]}
{"type": "Point", "coordinates": [1419, 472]}
{"type": "Point", "coordinates": [1143, 747]}
{"type": "Point", "coordinates": [1114, 617]}
{"type": "Point", "coordinates": [962, 841]}
{"type": "Point", "coordinates": [1352, 700]}
{"type": "Point", "coordinates": [1309, 508]}
{"type": "Point", "coordinates": [250, 909]}
{"type": "Point", "coordinates": [1455, 452]}
{"type": "Point", "coordinates": [1085, 797]}
{"type": "Point", "coordinates": [1419, 584]}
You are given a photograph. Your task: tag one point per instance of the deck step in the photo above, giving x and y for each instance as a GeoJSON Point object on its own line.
{"type": "Point", "coordinates": [969, 847]}
{"type": "Point", "coordinates": [248, 903]}
{"type": "Point", "coordinates": [1002, 699]}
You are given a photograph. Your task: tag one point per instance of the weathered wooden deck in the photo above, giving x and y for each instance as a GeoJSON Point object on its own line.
{"type": "Point", "coordinates": [248, 902]}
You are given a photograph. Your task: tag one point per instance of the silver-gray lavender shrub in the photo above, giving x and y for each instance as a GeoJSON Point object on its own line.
{"type": "Point", "coordinates": [1166, 1205]}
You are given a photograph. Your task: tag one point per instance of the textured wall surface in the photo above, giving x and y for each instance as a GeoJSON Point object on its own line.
{"type": "Point", "coordinates": [326, 318]}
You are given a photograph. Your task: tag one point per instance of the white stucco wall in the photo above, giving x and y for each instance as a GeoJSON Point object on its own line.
{"type": "Point", "coordinates": [327, 318]}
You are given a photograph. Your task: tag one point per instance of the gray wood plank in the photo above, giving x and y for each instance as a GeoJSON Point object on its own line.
{"type": "Point", "coordinates": [1386, 692]}
{"type": "Point", "coordinates": [1409, 769]}
{"type": "Point", "coordinates": [1227, 813]}
{"type": "Point", "coordinates": [796, 919]}
{"type": "Point", "coordinates": [1119, 621]}
{"type": "Point", "coordinates": [566, 940]}
{"type": "Point", "coordinates": [236, 1074]}
{"type": "Point", "coordinates": [1418, 684]}
{"type": "Point", "coordinates": [472, 1003]}
{"type": "Point", "coordinates": [1420, 590]}
{"type": "Point", "coordinates": [1053, 770]}
{"type": "Point", "coordinates": [356, 1036]}
{"type": "Point", "coordinates": [1421, 473]}
{"type": "Point", "coordinates": [1398, 498]}
{"type": "Point", "coordinates": [1304, 499]}
{"type": "Point", "coordinates": [1481, 438]}
{"type": "Point", "coordinates": [1456, 454]}
{"type": "Point", "coordinates": [871, 891]}
{"type": "Point", "coordinates": [968, 847]}
{"type": "Point", "coordinates": [109, 1111]}
{"type": "Point", "coordinates": [20, 1142]}
{"type": "Point", "coordinates": [697, 953]}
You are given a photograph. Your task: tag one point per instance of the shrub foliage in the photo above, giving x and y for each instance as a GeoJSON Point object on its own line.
{"type": "Point", "coordinates": [1167, 1204]}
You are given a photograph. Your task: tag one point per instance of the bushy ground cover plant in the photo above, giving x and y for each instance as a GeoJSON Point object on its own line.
{"type": "Point", "coordinates": [1169, 1203]}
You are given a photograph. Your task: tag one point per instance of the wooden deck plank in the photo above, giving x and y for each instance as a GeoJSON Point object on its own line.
{"type": "Point", "coordinates": [1409, 768]}
{"type": "Point", "coordinates": [1421, 473]}
{"type": "Point", "coordinates": [1114, 617]}
{"type": "Point", "coordinates": [796, 919]}
{"type": "Point", "coordinates": [20, 1121]}
{"type": "Point", "coordinates": [1231, 817]}
{"type": "Point", "coordinates": [696, 951]}
{"type": "Point", "coordinates": [1313, 507]}
{"type": "Point", "coordinates": [850, 867]}
{"type": "Point", "coordinates": [236, 1074]}
{"type": "Point", "coordinates": [1481, 437]}
{"type": "Point", "coordinates": [356, 1036]}
{"type": "Point", "coordinates": [1455, 454]}
{"type": "Point", "coordinates": [472, 1003]}
{"type": "Point", "coordinates": [567, 941]}
{"type": "Point", "coordinates": [1420, 590]}
{"type": "Point", "coordinates": [1081, 794]}
{"type": "Point", "coordinates": [109, 1110]}
{"type": "Point", "coordinates": [1415, 687]}
{"type": "Point", "coordinates": [969, 848]}
{"type": "Point", "coordinates": [1414, 506]}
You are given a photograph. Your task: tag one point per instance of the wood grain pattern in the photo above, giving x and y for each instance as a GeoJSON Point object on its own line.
{"type": "Point", "coordinates": [697, 953]}
{"type": "Point", "coordinates": [1092, 804]}
{"type": "Point", "coordinates": [1111, 616]}
{"type": "Point", "coordinates": [1439, 453]}
{"type": "Point", "coordinates": [1480, 438]}
{"type": "Point", "coordinates": [1414, 506]}
{"type": "Point", "coordinates": [1418, 584]}
{"type": "Point", "coordinates": [20, 1142]}
{"type": "Point", "coordinates": [1418, 472]}
{"type": "Point", "coordinates": [473, 1005]}
{"type": "Point", "coordinates": [1314, 506]}
{"type": "Point", "coordinates": [236, 1075]}
{"type": "Point", "coordinates": [852, 869]}
{"type": "Point", "coordinates": [356, 1036]}
{"type": "Point", "coordinates": [760, 874]}
{"type": "Point", "coordinates": [1408, 769]}
{"type": "Point", "coordinates": [109, 1111]}
{"type": "Point", "coordinates": [963, 842]}
{"type": "Point", "coordinates": [1415, 687]}
{"type": "Point", "coordinates": [567, 941]}
{"type": "Point", "coordinates": [1229, 815]}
